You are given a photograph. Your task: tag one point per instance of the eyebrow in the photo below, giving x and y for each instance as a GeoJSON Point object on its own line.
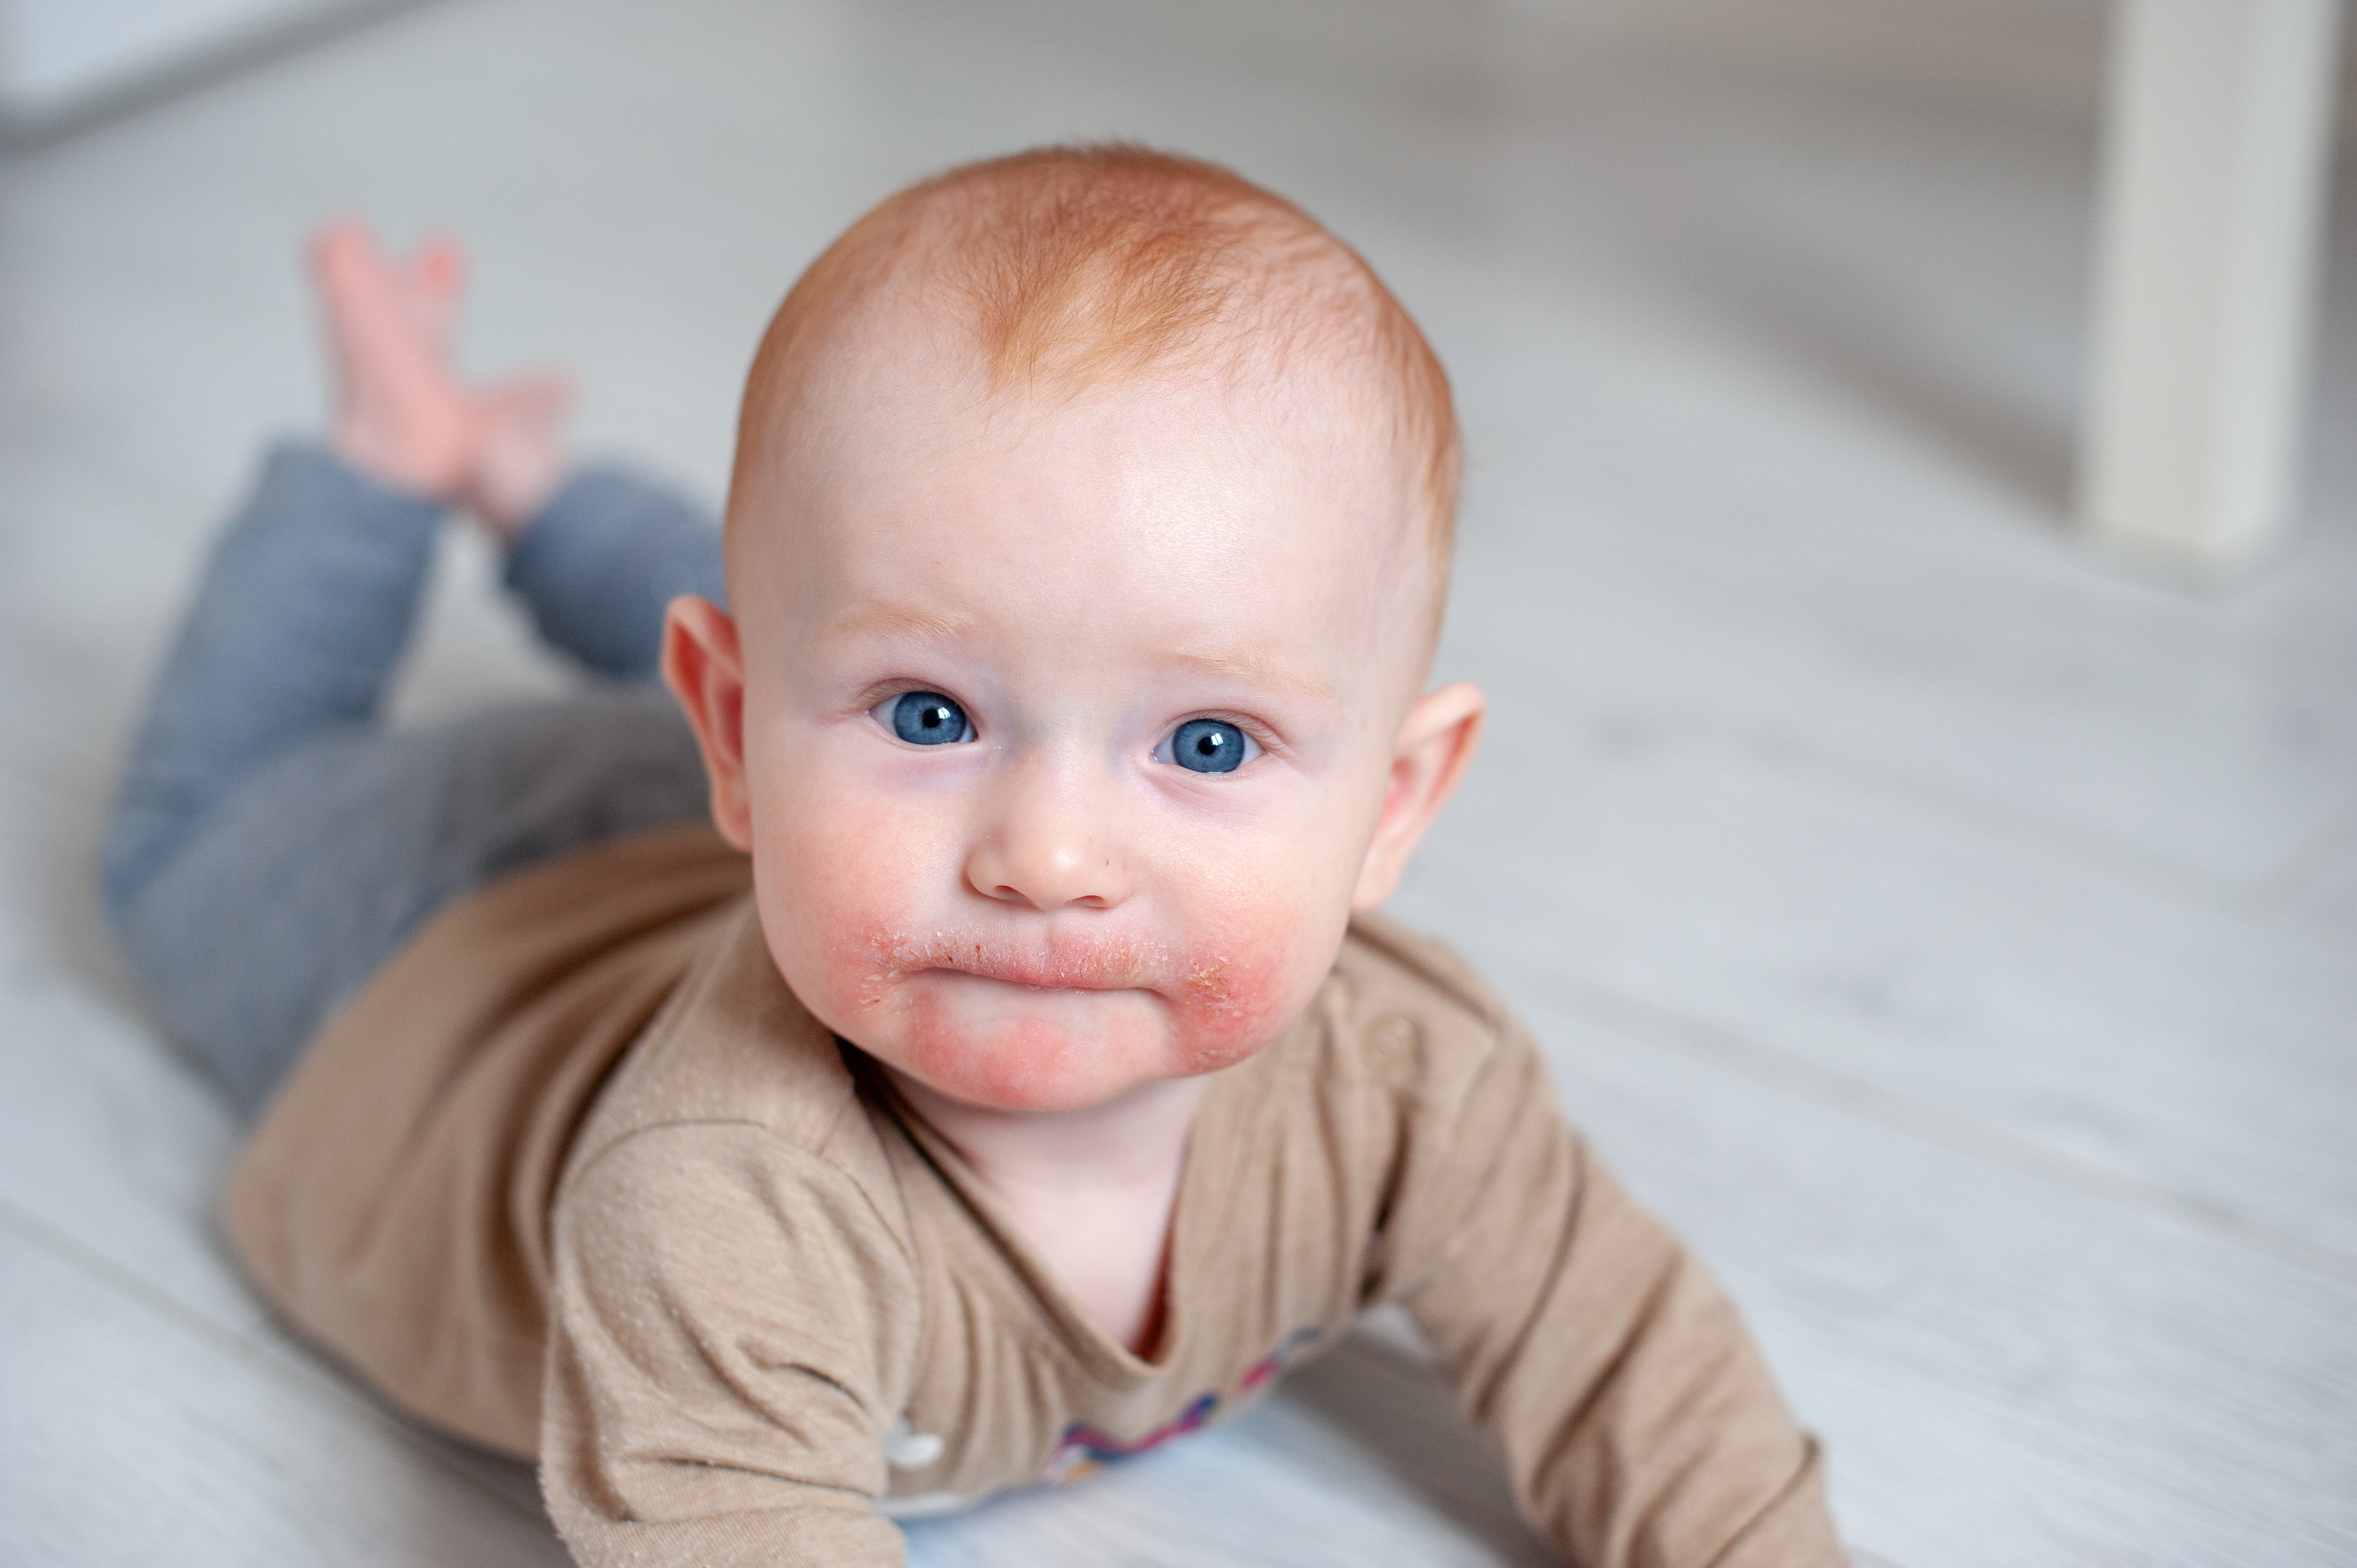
{"type": "Point", "coordinates": [905, 622]}
{"type": "Point", "coordinates": [1256, 672]}
{"type": "Point", "coordinates": [898, 622]}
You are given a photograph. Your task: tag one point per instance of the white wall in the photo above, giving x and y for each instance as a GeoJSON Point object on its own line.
{"type": "Point", "coordinates": [57, 56]}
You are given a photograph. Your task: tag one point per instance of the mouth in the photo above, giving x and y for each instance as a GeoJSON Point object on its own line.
{"type": "Point", "coordinates": [1013, 983]}
{"type": "Point", "coordinates": [1057, 964]}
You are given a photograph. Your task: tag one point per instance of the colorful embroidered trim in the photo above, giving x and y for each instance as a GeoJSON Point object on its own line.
{"type": "Point", "coordinates": [1084, 1448]}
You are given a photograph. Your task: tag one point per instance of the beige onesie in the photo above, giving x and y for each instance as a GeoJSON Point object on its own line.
{"type": "Point", "coordinates": [575, 1175]}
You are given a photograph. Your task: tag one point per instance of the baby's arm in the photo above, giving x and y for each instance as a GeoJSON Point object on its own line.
{"type": "Point", "coordinates": [729, 1316]}
{"type": "Point", "coordinates": [1636, 1417]}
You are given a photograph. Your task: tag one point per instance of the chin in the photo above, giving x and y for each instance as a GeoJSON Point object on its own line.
{"type": "Point", "coordinates": [1015, 1047]}
{"type": "Point", "coordinates": [1036, 1096]}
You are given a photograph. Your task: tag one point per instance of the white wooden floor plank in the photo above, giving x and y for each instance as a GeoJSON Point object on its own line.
{"type": "Point", "coordinates": [2004, 1369]}
{"type": "Point", "coordinates": [125, 1438]}
{"type": "Point", "coordinates": [2133, 1026]}
{"type": "Point", "coordinates": [2322, 883]}
{"type": "Point", "coordinates": [109, 1139]}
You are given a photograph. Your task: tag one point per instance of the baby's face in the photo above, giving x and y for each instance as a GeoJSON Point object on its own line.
{"type": "Point", "coordinates": [1066, 724]}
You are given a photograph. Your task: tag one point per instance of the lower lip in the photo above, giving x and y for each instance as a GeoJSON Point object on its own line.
{"type": "Point", "coordinates": [984, 984]}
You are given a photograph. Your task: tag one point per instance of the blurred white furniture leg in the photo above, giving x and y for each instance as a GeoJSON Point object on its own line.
{"type": "Point", "coordinates": [2207, 244]}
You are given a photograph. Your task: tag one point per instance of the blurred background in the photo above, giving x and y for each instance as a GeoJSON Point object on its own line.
{"type": "Point", "coordinates": [1952, 928]}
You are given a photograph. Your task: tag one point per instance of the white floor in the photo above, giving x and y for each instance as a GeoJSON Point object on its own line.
{"type": "Point", "coordinates": [1956, 938]}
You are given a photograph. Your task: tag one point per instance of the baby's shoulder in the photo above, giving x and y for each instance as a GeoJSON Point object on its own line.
{"type": "Point", "coordinates": [1394, 964]}
{"type": "Point", "coordinates": [736, 1073]}
{"type": "Point", "coordinates": [1409, 1013]}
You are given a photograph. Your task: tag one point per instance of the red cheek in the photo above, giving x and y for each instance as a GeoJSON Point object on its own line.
{"type": "Point", "coordinates": [1230, 1002]}
{"type": "Point", "coordinates": [815, 893]}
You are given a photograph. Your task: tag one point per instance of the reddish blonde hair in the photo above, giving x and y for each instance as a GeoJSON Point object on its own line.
{"type": "Point", "coordinates": [1076, 265]}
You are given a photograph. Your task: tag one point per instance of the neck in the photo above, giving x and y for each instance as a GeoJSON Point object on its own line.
{"type": "Point", "coordinates": [1136, 1138]}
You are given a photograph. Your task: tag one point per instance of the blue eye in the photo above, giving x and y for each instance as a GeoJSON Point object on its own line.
{"type": "Point", "coordinates": [927, 718]}
{"type": "Point", "coordinates": [1209, 746]}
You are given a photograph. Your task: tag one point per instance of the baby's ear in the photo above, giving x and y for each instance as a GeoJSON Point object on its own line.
{"type": "Point", "coordinates": [705, 669]}
{"type": "Point", "coordinates": [1436, 745]}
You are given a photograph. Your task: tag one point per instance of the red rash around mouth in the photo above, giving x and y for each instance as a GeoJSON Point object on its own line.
{"type": "Point", "coordinates": [1060, 1022]}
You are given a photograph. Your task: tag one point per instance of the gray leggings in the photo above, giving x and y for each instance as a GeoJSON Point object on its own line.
{"type": "Point", "coordinates": [273, 843]}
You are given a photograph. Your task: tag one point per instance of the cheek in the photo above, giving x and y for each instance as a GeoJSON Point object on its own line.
{"type": "Point", "coordinates": [1262, 935]}
{"type": "Point", "coordinates": [828, 862]}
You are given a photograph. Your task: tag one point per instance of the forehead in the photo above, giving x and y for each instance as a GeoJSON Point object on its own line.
{"type": "Point", "coordinates": [901, 402]}
{"type": "Point", "coordinates": [1217, 518]}
{"type": "Point", "coordinates": [1132, 481]}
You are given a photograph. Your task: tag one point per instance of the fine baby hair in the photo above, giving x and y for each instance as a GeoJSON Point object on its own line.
{"type": "Point", "coordinates": [1065, 268]}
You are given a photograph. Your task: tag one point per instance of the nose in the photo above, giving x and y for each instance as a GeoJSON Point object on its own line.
{"type": "Point", "coordinates": [1050, 841]}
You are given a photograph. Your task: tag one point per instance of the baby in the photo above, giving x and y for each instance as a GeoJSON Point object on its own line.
{"type": "Point", "coordinates": [962, 1053]}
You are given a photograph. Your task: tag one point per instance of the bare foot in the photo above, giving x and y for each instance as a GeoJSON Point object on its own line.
{"type": "Point", "coordinates": [520, 456]}
{"type": "Point", "coordinates": [434, 281]}
{"type": "Point", "coordinates": [402, 418]}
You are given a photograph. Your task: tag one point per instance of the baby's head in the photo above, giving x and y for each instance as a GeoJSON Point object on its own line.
{"type": "Point", "coordinates": [1086, 548]}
